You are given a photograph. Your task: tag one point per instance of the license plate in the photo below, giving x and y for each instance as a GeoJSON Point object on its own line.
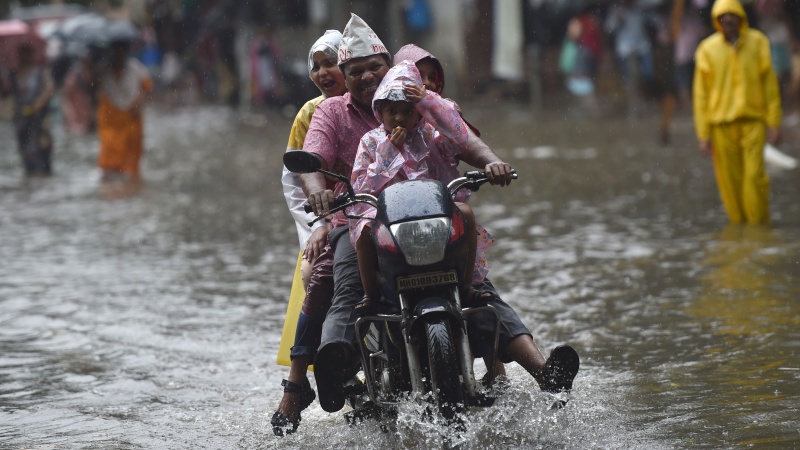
{"type": "Point", "coordinates": [427, 280]}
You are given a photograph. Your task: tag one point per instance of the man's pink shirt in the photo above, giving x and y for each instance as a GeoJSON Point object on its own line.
{"type": "Point", "coordinates": [335, 131]}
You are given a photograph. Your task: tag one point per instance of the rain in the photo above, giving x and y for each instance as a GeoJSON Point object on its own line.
{"type": "Point", "coordinates": [138, 314]}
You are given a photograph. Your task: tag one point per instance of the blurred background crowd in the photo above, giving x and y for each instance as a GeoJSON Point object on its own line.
{"type": "Point", "coordinates": [600, 55]}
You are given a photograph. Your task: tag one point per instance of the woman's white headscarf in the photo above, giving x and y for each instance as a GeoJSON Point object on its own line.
{"type": "Point", "coordinates": [328, 43]}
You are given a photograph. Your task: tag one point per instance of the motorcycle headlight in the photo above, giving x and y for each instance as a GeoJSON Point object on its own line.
{"type": "Point", "coordinates": [422, 242]}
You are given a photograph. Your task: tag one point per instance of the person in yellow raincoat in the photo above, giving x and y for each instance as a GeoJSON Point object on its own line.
{"type": "Point", "coordinates": [123, 86]}
{"type": "Point", "coordinates": [303, 323]}
{"type": "Point", "coordinates": [737, 108]}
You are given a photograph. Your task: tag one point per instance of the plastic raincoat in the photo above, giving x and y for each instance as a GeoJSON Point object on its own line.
{"type": "Point", "coordinates": [416, 54]}
{"type": "Point", "coordinates": [736, 96]}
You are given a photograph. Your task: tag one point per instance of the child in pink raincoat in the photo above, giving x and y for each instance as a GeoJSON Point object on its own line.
{"type": "Point", "coordinates": [419, 138]}
{"type": "Point", "coordinates": [432, 74]}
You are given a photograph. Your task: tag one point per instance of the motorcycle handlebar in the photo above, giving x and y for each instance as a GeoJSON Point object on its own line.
{"type": "Point", "coordinates": [338, 201]}
{"type": "Point", "coordinates": [477, 175]}
{"type": "Point", "coordinates": [471, 180]}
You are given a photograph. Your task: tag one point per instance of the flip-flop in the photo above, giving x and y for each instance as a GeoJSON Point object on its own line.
{"type": "Point", "coordinates": [476, 297]}
{"type": "Point", "coordinates": [330, 370]}
{"type": "Point", "coordinates": [560, 369]}
{"type": "Point", "coordinates": [368, 306]}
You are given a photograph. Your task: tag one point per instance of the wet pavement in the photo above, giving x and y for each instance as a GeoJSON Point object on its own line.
{"type": "Point", "coordinates": [150, 318]}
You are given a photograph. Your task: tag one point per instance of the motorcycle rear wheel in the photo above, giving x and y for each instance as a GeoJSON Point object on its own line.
{"type": "Point", "coordinates": [444, 368]}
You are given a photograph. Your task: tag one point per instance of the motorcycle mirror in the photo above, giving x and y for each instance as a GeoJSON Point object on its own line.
{"type": "Point", "coordinates": [298, 161]}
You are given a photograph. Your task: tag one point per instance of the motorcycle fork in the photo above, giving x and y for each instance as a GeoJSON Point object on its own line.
{"type": "Point", "coordinates": [465, 353]}
{"type": "Point", "coordinates": [466, 312]}
{"type": "Point", "coordinates": [412, 353]}
{"type": "Point", "coordinates": [414, 366]}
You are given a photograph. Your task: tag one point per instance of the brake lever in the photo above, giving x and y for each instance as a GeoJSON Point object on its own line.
{"type": "Point", "coordinates": [331, 212]}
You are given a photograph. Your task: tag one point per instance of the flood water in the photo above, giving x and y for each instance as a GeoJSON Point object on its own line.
{"type": "Point", "coordinates": [151, 319]}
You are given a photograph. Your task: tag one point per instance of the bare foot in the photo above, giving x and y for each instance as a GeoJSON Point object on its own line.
{"type": "Point", "coordinates": [290, 405]}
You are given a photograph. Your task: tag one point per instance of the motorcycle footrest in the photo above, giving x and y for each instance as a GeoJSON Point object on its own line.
{"type": "Point", "coordinates": [366, 412]}
{"type": "Point", "coordinates": [483, 400]}
{"type": "Point", "coordinates": [354, 389]}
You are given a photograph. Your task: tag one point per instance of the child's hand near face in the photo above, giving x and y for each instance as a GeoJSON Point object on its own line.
{"type": "Point", "coordinates": [415, 92]}
{"type": "Point", "coordinates": [398, 136]}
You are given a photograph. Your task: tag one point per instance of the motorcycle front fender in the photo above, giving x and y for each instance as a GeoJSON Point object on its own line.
{"type": "Point", "coordinates": [435, 306]}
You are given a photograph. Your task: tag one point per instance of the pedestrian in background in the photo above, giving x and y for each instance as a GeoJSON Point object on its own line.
{"type": "Point", "coordinates": [584, 36]}
{"type": "Point", "coordinates": [266, 57]}
{"type": "Point", "coordinates": [736, 108]}
{"type": "Point", "coordinates": [123, 86]}
{"type": "Point", "coordinates": [775, 23]}
{"type": "Point", "coordinates": [628, 23]}
{"type": "Point", "coordinates": [687, 29]}
{"type": "Point", "coordinates": [78, 104]}
{"type": "Point", "coordinates": [32, 88]}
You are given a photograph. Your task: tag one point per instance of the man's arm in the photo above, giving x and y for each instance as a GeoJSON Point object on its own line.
{"type": "Point", "coordinates": [317, 141]}
{"type": "Point", "coordinates": [772, 93]}
{"type": "Point", "coordinates": [700, 102]}
{"type": "Point", "coordinates": [5, 83]}
{"type": "Point", "coordinates": [478, 154]}
{"type": "Point", "coordinates": [319, 196]}
{"type": "Point", "coordinates": [47, 93]}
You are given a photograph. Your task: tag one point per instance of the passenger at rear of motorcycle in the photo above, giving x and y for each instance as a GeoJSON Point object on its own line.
{"type": "Point", "coordinates": [317, 255]}
{"type": "Point", "coordinates": [432, 73]}
{"type": "Point", "coordinates": [418, 149]}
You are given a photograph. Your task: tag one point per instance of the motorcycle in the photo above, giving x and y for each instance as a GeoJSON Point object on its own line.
{"type": "Point", "coordinates": [417, 346]}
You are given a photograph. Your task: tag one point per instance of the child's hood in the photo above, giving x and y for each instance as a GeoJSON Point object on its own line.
{"type": "Point", "coordinates": [391, 87]}
{"type": "Point", "coordinates": [415, 54]}
{"type": "Point", "coordinates": [728, 7]}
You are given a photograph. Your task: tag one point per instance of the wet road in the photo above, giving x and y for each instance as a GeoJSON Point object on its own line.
{"type": "Point", "coordinates": [151, 319]}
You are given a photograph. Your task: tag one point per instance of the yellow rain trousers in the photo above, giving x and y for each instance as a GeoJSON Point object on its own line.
{"type": "Point", "coordinates": [739, 167]}
{"type": "Point", "coordinates": [736, 96]}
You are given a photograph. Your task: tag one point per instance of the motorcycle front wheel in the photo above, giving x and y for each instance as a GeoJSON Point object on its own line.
{"type": "Point", "coordinates": [444, 368]}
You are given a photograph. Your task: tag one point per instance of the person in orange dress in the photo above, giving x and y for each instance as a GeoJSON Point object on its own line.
{"type": "Point", "coordinates": [123, 87]}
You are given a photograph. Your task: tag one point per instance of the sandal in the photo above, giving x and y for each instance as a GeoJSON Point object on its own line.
{"type": "Point", "coordinates": [368, 306]}
{"type": "Point", "coordinates": [474, 297]}
{"type": "Point", "coordinates": [559, 371]}
{"type": "Point", "coordinates": [281, 423]}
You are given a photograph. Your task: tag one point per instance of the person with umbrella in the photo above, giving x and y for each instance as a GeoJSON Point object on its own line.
{"type": "Point", "coordinates": [32, 88]}
{"type": "Point", "coordinates": [123, 85]}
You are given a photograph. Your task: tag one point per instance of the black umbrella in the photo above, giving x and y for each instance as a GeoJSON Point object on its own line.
{"type": "Point", "coordinates": [86, 29]}
{"type": "Point", "coordinates": [121, 30]}
{"type": "Point", "coordinates": [93, 30]}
